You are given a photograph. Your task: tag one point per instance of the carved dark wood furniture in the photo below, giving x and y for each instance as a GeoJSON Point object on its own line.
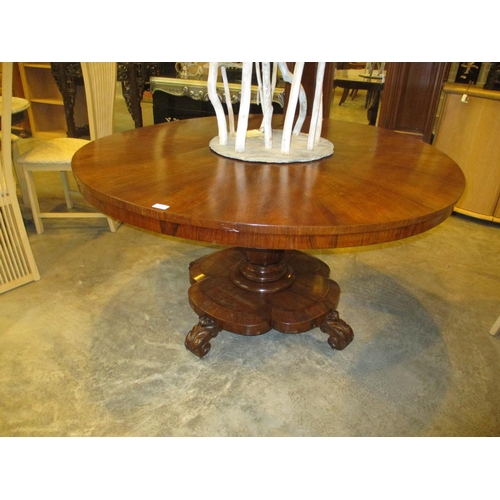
{"type": "Point", "coordinates": [69, 77]}
{"type": "Point", "coordinates": [351, 80]}
{"type": "Point", "coordinates": [134, 77]}
{"type": "Point", "coordinates": [378, 186]}
{"type": "Point", "coordinates": [176, 98]}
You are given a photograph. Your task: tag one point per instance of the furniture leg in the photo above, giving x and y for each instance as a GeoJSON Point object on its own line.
{"type": "Point", "coordinates": [113, 224]}
{"type": "Point", "coordinates": [133, 82]}
{"type": "Point", "coordinates": [35, 207]}
{"type": "Point", "coordinates": [198, 339]}
{"type": "Point", "coordinates": [251, 291]}
{"type": "Point", "coordinates": [344, 96]}
{"type": "Point", "coordinates": [340, 332]}
{"type": "Point", "coordinates": [495, 329]}
{"type": "Point", "coordinates": [65, 183]}
{"type": "Point", "coordinates": [19, 174]}
{"type": "Point", "coordinates": [373, 107]}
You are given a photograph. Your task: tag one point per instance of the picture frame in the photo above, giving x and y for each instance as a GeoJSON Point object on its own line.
{"type": "Point", "coordinates": [468, 72]}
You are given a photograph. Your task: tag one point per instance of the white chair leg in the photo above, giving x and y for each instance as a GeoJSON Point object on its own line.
{"type": "Point", "coordinates": [19, 174]}
{"type": "Point", "coordinates": [113, 224]}
{"type": "Point", "coordinates": [35, 207]}
{"type": "Point", "coordinates": [495, 329]}
{"type": "Point", "coordinates": [65, 183]}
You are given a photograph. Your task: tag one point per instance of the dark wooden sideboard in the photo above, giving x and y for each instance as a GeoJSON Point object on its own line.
{"type": "Point", "coordinates": [175, 98]}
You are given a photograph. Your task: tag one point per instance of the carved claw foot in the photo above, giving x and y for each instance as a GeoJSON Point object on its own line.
{"type": "Point", "coordinates": [198, 339]}
{"type": "Point", "coordinates": [340, 332]}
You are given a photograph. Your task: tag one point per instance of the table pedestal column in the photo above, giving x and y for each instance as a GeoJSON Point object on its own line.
{"type": "Point", "coordinates": [251, 291]}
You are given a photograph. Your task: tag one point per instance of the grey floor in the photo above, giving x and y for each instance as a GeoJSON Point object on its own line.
{"type": "Point", "coordinates": [95, 348]}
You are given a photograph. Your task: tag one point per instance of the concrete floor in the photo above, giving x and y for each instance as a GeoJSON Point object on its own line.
{"type": "Point", "coordinates": [95, 348]}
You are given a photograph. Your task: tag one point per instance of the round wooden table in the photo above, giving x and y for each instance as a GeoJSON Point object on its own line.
{"type": "Point", "coordinates": [378, 186]}
{"type": "Point", "coordinates": [349, 79]}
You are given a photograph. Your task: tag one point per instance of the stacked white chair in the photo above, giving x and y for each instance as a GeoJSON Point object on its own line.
{"type": "Point", "coordinates": [17, 264]}
{"type": "Point", "coordinates": [56, 155]}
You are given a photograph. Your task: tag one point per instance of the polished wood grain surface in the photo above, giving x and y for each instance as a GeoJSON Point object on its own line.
{"type": "Point", "coordinates": [378, 186]}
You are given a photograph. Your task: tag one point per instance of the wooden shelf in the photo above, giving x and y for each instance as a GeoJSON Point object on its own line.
{"type": "Point", "coordinates": [55, 102]}
{"type": "Point", "coordinates": [52, 134]}
{"type": "Point", "coordinates": [46, 111]}
{"type": "Point", "coordinates": [37, 65]}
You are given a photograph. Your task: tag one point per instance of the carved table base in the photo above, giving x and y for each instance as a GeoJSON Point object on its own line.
{"type": "Point", "coordinates": [250, 292]}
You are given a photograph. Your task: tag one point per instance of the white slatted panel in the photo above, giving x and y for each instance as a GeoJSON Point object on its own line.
{"type": "Point", "coordinates": [17, 264]}
{"type": "Point", "coordinates": [100, 88]}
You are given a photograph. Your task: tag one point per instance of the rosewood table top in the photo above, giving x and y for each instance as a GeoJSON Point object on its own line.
{"type": "Point", "coordinates": [378, 186]}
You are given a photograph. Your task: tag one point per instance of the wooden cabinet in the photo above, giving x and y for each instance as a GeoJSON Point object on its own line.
{"type": "Point", "coordinates": [411, 97]}
{"type": "Point", "coordinates": [468, 132]}
{"type": "Point", "coordinates": [46, 111]}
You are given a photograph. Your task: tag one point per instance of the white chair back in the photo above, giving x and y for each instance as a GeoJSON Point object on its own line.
{"type": "Point", "coordinates": [100, 87]}
{"type": "Point", "coordinates": [17, 264]}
